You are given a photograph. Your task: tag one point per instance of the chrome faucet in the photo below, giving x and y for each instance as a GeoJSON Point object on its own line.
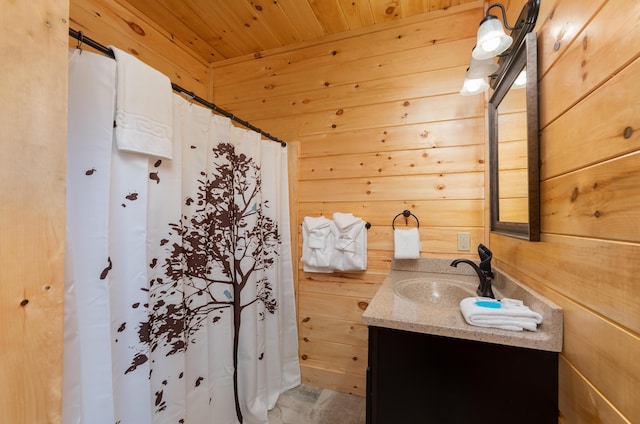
{"type": "Point", "coordinates": [484, 270]}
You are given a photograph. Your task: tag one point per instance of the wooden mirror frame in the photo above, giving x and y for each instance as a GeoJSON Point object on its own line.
{"type": "Point", "coordinates": [525, 56]}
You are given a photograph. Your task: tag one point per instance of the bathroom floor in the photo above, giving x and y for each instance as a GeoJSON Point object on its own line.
{"type": "Point", "coordinates": [314, 405]}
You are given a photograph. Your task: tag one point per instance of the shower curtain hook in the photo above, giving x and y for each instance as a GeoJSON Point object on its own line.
{"type": "Point", "coordinates": [80, 41]}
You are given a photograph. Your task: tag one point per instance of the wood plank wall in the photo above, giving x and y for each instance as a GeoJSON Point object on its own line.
{"type": "Point", "coordinates": [588, 258]}
{"type": "Point", "coordinates": [402, 139]}
{"type": "Point", "coordinates": [588, 261]}
{"type": "Point", "coordinates": [33, 111]}
{"type": "Point", "coordinates": [380, 127]}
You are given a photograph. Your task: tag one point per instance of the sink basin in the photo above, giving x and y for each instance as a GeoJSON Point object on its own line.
{"type": "Point", "coordinates": [440, 293]}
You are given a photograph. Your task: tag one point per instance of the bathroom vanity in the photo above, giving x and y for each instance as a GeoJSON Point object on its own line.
{"type": "Point", "coordinates": [427, 365]}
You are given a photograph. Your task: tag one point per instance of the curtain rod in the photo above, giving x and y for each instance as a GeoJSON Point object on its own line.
{"type": "Point", "coordinates": [82, 39]}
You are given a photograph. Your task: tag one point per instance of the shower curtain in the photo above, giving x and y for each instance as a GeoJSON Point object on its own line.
{"type": "Point", "coordinates": [179, 303]}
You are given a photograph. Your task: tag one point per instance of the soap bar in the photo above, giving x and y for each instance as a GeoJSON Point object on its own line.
{"type": "Point", "coordinates": [489, 304]}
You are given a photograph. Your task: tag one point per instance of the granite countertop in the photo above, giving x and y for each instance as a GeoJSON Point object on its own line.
{"type": "Point", "coordinates": [388, 309]}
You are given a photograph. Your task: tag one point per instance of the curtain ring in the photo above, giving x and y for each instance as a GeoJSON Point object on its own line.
{"type": "Point", "coordinates": [80, 41]}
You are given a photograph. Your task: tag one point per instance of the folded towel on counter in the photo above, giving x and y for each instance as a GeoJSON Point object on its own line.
{"type": "Point", "coordinates": [317, 244]}
{"type": "Point", "coordinates": [506, 314]}
{"type": "Point", "coordinates": [144, 107]}
{"type": "Point", "coordinates": [406, 244]}
{"type": "Point", "coordinates": [350, 243]}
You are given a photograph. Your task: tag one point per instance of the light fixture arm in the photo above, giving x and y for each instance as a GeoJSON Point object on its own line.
{"type": "Point", "coordinates": [504, 17]}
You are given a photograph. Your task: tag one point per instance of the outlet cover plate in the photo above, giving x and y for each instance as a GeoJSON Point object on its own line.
{"type": "Point", "coordinates": [464, 242]}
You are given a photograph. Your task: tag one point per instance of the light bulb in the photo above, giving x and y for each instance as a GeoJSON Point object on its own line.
{"type": "Point", "coordinates": [492, 40]}
{"type": "Point", "coordinates": [473, 86]}
{"type": "Point", "coordinates": [491, 44]}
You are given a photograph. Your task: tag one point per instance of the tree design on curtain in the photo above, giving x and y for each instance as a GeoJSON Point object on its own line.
{"type": "Point", "coordinates": [223, 243]}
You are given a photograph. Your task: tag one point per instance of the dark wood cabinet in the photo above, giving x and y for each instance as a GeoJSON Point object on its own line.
{"type": "Point", "coordinates": [422, 378]}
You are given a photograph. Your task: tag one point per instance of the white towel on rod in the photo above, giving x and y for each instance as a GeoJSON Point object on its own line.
{"type": "Point", "coordinates": [144, 107]}
{"type": "Point", "coordinates": [406, 244]}
{"type": "Point", "coordinates": [506, 314]}
{"type": "Point", "coordinates": [350, 243]}
{"type": "Point", "coordinates": [317, 244]}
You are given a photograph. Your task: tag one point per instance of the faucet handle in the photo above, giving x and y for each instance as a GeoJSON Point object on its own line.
{"type": "Point", "coordinates": [485, 258]}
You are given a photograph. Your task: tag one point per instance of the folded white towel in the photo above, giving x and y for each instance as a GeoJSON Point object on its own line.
{"type": "Point", "coordinates": [144, 107]}
{"type": "Point", "coordinates": [350, 243]}
{"type": "Point", "coordinates": [317, 244]}
{"type": "Point", "coordinates": [506, 314]}
{"type": "Point", "coordinates": [406, 244]}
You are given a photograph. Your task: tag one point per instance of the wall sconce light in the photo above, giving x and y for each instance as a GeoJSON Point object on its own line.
{"type": "Point", "coordinates": [473, 86]}
{"type": "Point", "coordinates": [491, 37]}
{"type": "Point", "coordinates": [493, 42]}
{"type": "Point", "coordinates": [475, 79]}
{"type": "Point", "coordinates": [480, 68]}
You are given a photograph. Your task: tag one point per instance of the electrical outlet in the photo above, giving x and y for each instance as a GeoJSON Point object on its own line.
{"type": "Point", "coordinates": [464, 242]}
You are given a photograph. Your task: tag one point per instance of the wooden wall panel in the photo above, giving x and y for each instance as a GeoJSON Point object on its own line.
{"type": "Point", "coordinates": [557, 27]}
{"type": "Point", "coordinates": [446, 213]}
{"type": "Point", "coordinates": [33, 123]}
{"type": "Point", "coordinates": [601, 201]}
{"type": "Point", "coordinates": [596, 53]}
{"type": "Point", "coordinates": [332, 378]}
{"type": "Point", "coordinates": [420, 84]}
{"type": "Point", "coordinates": [331, 305]}
{"type": "Point", "coordinates": [324, 54]}
{"type": "Point", "coordinates": [587, 259]}
{"type": "Point", "coordinates": [353, 284]}
{"type": "Point", "coordinates": [602, 138]}
{"type": "Point", "coordinates": [336, 330]}
{"type": "Point", "coordinates": [401, 162]}
{"type": "Point", "coordinates": [381, 128]}
{"type": "Point", "coordinates": [580, 402]}
{"type": "Point", "coordinates": [317, 352]}
{"type": "Point", "coordinates": [365, 75]}
{"type": "Point", "coordinates": [460, 132]}
{"type": "Point", "coordinates": [412, 111]}
{"type": "Point", "coordinates": [395, 188]}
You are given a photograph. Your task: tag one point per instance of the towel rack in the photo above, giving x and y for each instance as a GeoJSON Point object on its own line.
{"type": "Point", "coordinates": [406, 213]}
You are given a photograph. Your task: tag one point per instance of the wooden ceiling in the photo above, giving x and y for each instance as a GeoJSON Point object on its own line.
{"type": "Point", "coordinates": [222, 29]}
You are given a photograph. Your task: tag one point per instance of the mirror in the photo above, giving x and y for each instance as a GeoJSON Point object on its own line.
{"type": "Point", "coordinates": [513, 146]}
